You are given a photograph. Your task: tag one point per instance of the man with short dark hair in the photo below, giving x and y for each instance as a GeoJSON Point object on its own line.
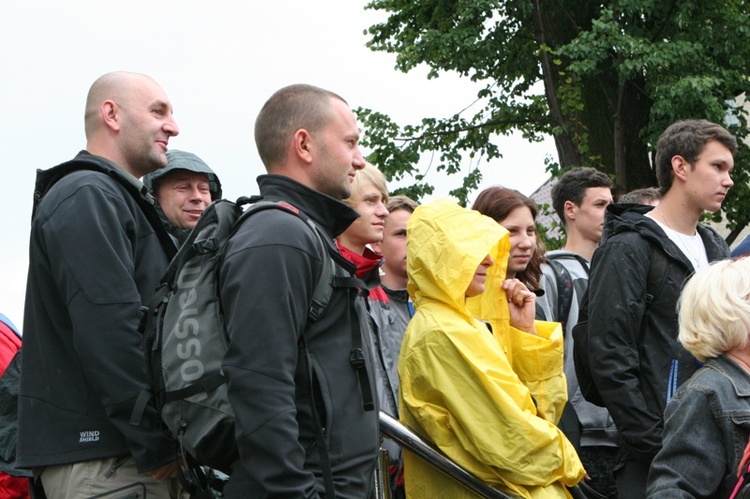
{"type": "Point", "coordinates": [580, 198]}
{"type": "Point", "coordinates": [291, 377]}
{"type": "Point", "coordinates": [636, 361]}
{"type": "Point", "coordinates": [97, 252]}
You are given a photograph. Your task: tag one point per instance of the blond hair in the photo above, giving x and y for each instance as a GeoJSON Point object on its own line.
{"type": "Point", "coordinates": [368, 175]}
{"type": "Point", "coordinates": [714, 309]}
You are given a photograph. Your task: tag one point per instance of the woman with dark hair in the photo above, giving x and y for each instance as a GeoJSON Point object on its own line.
{"type": "Point", "coordinates": [517, 214]}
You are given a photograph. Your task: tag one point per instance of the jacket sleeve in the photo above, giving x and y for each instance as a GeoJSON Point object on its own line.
{"type": "Point", "coordinates": [617, 303]}
{"type": "Point", "coordinates": [689, 465]}
{"type": "Point", "coordinates": [95, 272]}
{"type": "Point", "coordinates": [464, 394]}
{"type": "Point", "coordinates": [267, 282]}
{"type": "Point", "coordinates": [538, 362]}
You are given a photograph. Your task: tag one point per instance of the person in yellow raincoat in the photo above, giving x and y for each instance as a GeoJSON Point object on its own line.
{"type": "Point", "coordinates": [459, 388]}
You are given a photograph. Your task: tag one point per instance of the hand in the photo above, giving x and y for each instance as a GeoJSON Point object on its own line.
{"type": "Point", "coordinates": [169, 470]}
{"type": "Point", "coordinates": [522, 305]}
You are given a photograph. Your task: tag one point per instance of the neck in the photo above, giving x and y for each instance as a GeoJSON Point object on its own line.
{"type": "Point", "coordinates": [741, 357]}
{"type": "Point", "coordinates": [351, 245]}
{"type": "Point", "coordinates": [584, 248]}
{"type": "Point", "coordinates": [676, 215]}
{"type": "Point", "coordinates": [576, 243]}
{"type": "Point", "coordinates": [392, 280]}
{"type": "Point", "coordinates": [98, 148]}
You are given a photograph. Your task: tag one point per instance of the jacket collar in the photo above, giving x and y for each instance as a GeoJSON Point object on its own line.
{"type": "Point", "coordinates": [631, 217]}
{"type": "Point", "coordinates": [739, 378]}
{"type": "Point", "coordinates": [332, 215]}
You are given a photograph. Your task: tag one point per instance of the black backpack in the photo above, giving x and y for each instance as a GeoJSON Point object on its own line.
{"type": "Point", "coordinates": [185, 318]}
{"type": "Point", "coordinates": [564, 284]}
{"type": "Point", "coordinates": [657, 273]}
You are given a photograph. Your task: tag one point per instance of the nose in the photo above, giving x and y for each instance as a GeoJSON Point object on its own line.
{"type": "Point", "coordinates": [170, 126]}
{"type": "Point", "coordinates": [728, 182]}
{"type": "Point", "coordinates": [488, 261]}
{"type": "Point", "coordinates": [526, 241]}
{"type": "Point", "coordinates": [195, 193]}
{"type": "Point", "coordinates": [358, 161]}
{"type": "Point", "coordinates": [382, 211]}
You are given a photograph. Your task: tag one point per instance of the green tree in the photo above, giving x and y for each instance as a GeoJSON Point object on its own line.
{"type": "Point", "coordinates": [604, 78]}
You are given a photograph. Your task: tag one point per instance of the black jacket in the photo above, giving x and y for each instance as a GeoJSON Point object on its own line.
{"type": "Point", "coordinates": [271, 268]}
{"type": "Point", "coordinates": [636, 361]}
{"type": "Point", "coordinates": [96, 254]}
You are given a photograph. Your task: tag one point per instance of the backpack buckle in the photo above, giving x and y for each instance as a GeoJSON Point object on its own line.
{"type": "Point", "coordinates": [357, 358]}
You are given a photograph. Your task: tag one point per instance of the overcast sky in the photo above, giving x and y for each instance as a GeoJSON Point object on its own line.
{"type": "Point", "coordinates": [218, 62]}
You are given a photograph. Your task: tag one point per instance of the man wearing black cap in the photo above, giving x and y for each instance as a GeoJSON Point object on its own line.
{"type": "Point", "coordinates": [182, 190]}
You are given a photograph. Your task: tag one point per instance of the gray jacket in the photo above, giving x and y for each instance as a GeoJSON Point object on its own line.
{"type": "Point", "coordinates": [597, 427]}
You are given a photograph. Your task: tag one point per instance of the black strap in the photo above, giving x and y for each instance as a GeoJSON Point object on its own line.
{"type": "Point", "coordinates": [45, 179]}
{"type": "Point", "coordinates": [203, 385]}
{"type": "Point", "coordinates": [564, 291]}
{"type": "Point", "coordinates": [140, 406]}
{"type": "Point", "coordinates": [570, 256]}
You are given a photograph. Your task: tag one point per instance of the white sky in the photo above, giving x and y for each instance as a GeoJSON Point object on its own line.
{"type": "Point", "coordinates": [218, 62]}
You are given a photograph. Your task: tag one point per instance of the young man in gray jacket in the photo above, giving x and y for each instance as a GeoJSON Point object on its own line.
{"type": "Point", "coordinates": [580, 199]}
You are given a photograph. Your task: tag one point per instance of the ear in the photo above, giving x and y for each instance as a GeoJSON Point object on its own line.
{"type": "Point", "coordinates": [569, 209]}
{"type": "Point", "coordinates": [110, 115]}
{"type": "Point", "coordinates": [303, 145]}
{"type": "Point", "coordinates": [680, 167]}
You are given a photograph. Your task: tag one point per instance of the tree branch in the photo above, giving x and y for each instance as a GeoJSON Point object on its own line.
{"type": "Point", "coordinates": [473, 127]}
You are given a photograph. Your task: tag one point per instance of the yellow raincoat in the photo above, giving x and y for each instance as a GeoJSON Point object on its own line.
{"type": "Point", "coordinates": [458, 388]}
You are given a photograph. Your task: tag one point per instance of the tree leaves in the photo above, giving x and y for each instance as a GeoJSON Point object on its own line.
{"type": "Point", "coordinates": [604, 78]}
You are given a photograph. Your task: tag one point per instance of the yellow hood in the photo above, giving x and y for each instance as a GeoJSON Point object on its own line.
{"type": "Point", "coordinates": [446, 245]}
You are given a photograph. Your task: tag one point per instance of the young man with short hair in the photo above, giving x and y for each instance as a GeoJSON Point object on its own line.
{"type": "Point", "coordinates": [393, 276]}
{"type": "Point", "coordinates": [580, 199]}
{"type": "Point", "coordinates": [298, 384]}
{"type": "Point", "coordinates": [636, 361]}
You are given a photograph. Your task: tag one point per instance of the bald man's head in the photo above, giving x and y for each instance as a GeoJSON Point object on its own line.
{"type": "Point", "coordinates": [128, 120]}
{"type": "Point", "coordinates": [111, 86]}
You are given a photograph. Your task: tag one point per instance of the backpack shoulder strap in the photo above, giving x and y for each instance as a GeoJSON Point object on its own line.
{"type": "Point", "coordinates": [564, 290]}
{"type": "Point", "coordinates": [324, 287]}
{"type": "Point", "coordinates": [571, 256]}
{"type": "Point", "coordinates": [45, 179]}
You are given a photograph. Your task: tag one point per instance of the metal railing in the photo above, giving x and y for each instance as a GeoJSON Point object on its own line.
{"type": "Point", "coordinates": [412, 442]}
{"type": "Point", "coordinates": [407, 439]}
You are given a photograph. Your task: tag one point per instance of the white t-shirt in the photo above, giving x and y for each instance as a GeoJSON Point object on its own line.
{"type": "Point", "coordinates": [691, 246]}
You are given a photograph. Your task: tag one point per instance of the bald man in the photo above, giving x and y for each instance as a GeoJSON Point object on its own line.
{"type": "Point", "coordinates": [96, 254]}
